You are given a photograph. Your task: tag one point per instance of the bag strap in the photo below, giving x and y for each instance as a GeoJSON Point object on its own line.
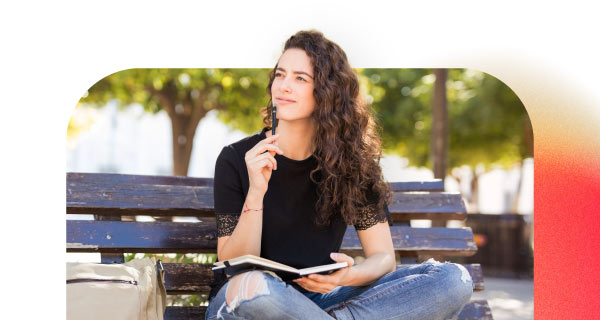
{"type": "Point", "coordinates": [160, 268]}
{"type": "Point", "coordinates": [161, 290]}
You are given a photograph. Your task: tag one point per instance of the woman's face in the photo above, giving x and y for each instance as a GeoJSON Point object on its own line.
{"type": "Point", "coordinates": [293, 85]}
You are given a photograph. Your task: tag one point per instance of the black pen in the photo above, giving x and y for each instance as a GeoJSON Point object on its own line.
{"type": "Point", "coordinates": [273, 119]}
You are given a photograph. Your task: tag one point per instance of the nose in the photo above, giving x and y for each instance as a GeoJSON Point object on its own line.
{"type": "Point", "coordinates": [285, 85]}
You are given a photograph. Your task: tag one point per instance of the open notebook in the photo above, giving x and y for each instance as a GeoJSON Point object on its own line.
{"type": "Point", "coordinates": [249, 262]}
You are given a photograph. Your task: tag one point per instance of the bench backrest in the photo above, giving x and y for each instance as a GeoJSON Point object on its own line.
{"type": "Point", "coordinates": [116, 195]}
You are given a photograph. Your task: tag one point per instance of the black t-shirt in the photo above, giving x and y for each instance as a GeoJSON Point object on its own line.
{"type": "Point", "coordinates": [289, 235]}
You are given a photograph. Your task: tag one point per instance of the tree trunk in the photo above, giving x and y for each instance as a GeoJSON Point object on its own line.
{"type": "Point", "coordinates": [183, 140]}
{"type": "Point", "coordinates": [185, 111]}
{"type": "Point", "coordinates": [439, 138]}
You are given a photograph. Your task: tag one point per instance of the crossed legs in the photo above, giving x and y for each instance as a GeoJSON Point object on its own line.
{"type": "Point", "coordinates": [432, 290]}
{"type": "Point", "coordinates": [262, 295]}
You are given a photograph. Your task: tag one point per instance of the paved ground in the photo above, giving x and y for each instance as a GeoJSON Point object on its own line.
{"type": "Point", "coordinates": [509, 298]}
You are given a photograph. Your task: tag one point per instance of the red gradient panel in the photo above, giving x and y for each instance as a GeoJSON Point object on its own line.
{"type": "Point", "coordinates": [566, 232]}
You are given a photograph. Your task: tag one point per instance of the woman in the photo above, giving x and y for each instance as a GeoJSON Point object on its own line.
{"type": "Point", "coordinates": [289, 197]}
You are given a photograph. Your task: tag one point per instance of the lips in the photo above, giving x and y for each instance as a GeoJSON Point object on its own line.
{"type": "Point", "coordinates": [282, 100]}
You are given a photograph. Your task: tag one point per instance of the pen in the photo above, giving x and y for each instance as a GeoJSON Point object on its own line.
{"type": "Point", "coordinates": [273, 119]}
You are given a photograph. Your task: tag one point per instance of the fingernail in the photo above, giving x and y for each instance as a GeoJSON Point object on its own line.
{"type": "Point", "coordinates": [334, 255]}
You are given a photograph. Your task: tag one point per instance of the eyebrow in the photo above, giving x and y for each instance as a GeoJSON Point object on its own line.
{"type": "Point", "coordinates": [296, 72]}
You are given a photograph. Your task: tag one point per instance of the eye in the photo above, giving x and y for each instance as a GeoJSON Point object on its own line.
{"type": "Point", "coordinates": [300, 78]}
{"type": "Point", "coordinates": [278, 74]}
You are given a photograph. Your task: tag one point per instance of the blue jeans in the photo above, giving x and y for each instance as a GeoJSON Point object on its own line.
{"type": "Point", "coordinates": [430, 290]}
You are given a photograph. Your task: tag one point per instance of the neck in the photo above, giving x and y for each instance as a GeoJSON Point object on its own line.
{"type": "Point", "coordinates": [295, 138]}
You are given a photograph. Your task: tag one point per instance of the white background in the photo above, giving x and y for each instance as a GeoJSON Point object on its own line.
{"type": "Point", "coordinates": [53, 51]}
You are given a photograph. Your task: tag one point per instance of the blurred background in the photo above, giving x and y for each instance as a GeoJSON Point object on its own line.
{"type": "Point", "coordinates": [460, 125]}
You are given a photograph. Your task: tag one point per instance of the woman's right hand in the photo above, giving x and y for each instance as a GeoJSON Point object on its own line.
{"type": "Point", "coordinates": [260, 164]}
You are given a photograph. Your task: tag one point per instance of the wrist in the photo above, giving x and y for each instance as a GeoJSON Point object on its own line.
{"type": "Point", "coordinates": [254, 199]}
{"type": "Point", "coordinates": [255, 195]}
{"type": "Point", "coordinates": [348, 279]}
{"type": "Point", "coordinates": [246, 209]}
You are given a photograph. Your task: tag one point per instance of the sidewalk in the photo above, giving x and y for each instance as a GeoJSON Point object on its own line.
{"type": "Point", "coordinates": [508, 298]}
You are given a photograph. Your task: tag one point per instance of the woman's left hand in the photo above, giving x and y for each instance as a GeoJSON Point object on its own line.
{"type": "Point", "coordinates": [326, 283]}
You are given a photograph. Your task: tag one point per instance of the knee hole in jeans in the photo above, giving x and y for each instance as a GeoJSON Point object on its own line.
{"type": "Point", "coordinates": [464, 274]}
{"type": "Point", "coordinates": [245, 286]}
{"type": "Point", "coordinates": [465, 277]}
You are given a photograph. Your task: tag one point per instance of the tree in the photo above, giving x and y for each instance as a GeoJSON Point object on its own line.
{"type": "Point", "coordinates": [401, 101]}
{"type": "Point", "coordinates": [187, 95]}
{"type": "Point", "coordinates": [439, 135]}
{"type": "Point", "coordinates": [487, 120]}
{"type": "Point", "coordinates": [487, 123]}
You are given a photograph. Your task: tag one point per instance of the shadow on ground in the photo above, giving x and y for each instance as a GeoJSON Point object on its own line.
{"type": "Point", "coordinates": [508, 298]}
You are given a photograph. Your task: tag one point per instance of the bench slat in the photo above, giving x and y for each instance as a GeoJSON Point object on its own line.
{"type": "Point", "coordinates": [434, 206]}
{"type": "Point", "coordinates": [431, 185]}
{"type": "Point", "coordinates": [174, 200]}
{"type": "Point", "coordinates": [114, 179]}
{"type": "Point", "coordinates": [184, 313]}
{"type": "Point", "coordinates": [420, 241]}
{"type": "Point", "coordinates": [111, 179]}
{"type": "Point", "coordinates": [187, 237]}
{"type": "Point", "coordinates": [136, 199]}
{"type": "Point", "coordinates": [474, 309]}
{"type": "Point", "coordinates": [129, 195]}
{"type": "Point", "coordinates": [194, 278]}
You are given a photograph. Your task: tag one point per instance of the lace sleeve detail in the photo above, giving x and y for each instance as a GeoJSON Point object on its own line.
{"type": "Point", "coordinates": [226, 224]}
{"type": "Point", "coordinates": [368, 218]}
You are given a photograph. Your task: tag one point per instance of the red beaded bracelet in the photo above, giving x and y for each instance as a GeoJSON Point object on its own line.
{"type": "Point", "coordinates": [246, 209]}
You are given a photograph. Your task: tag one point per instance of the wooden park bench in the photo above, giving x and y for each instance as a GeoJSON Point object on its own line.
{"type": "Point", "coordinates": [110, 196]}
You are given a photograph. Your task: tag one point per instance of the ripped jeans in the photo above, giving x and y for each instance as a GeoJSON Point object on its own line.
{"type": "Point", "coordinates": [430, 290]}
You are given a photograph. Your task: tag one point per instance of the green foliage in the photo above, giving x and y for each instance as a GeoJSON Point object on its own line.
{"type": "Point", "coordinates": [244, 99]}
{"type": "Point", "coordinates": [486, 118]}
{"type": "Point", "coordinates": [237, 94]}
{"type": "Point", "coordinates": [401, 105]}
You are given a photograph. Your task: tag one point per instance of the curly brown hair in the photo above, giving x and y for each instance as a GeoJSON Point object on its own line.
{"type": "Point", "coordinates": [347, 144]}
